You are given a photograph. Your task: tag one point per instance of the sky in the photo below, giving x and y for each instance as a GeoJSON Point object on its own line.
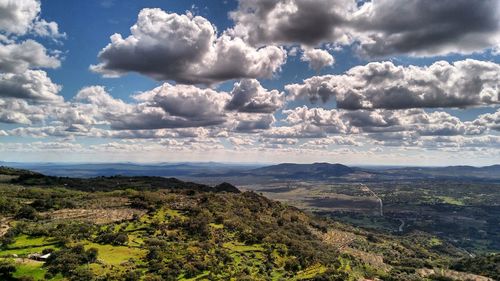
{"type": "Point", "coordinates": [381, 82]}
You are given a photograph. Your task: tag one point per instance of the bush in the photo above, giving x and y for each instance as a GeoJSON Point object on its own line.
{"type": "Point", "coordinates": [131, 276]}
{"type": "Point", "coordinates": [6, 270]}
{"type": "Point", "coordinates": [26, 212]}
{"type": "Point", "coordinates": [73, 231]}
{"type": "Point", "coordinates": [116, 239]}
{"type": "Point", "coordinates": [67, 261]}
{"type": "Point", "coordinates": [42, 204]}
{"type": "Point", "coordinates": [81, 274]}
{"type": "Point", "coordinates": [7, 206]}
{"type": "Point", "coordinates": [48, 275]}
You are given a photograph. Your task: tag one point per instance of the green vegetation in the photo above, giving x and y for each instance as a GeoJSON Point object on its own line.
{"type": "Point", "coordinates": [193, 232]}
{"type": "Point", "coordinates": [486, 265]}
{"type": "Point", "coordinates": [451, 200]}
{"type": "Point", "coordinates": [30, 268]}
{"type": "Point", "coordinates": [463, 213]}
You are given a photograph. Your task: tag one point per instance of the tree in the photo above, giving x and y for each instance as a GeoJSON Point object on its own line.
{"type": "Point", "coordinates": [116, 239]}
{"type": "Point", "coordinates": [7, 206]}
{"type": "Point", "coordinates": [81, 274]}
{"type": "Point", "coordinates": [26, 212]}
{"type": "Point", "coordinates": [68, 260]}
{"type": "Point", "coordinates": [131, 276]}
{"type": "Point", "coordinates": [6, 270]}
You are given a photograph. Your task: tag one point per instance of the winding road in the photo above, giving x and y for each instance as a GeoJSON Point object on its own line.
{"type": "Point", "coordinates": [401, 226]}
{"type": "Point", "coordinates": [365, 188]}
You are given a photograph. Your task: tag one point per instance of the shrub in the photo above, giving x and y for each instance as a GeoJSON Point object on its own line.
{"type": "Point", "coordinates": [26, 212]}
{"type": "Point", "coordinates": [119, 238]}
{"type": "Point", "coordinates": [6, 270]}
{"type": "Point", "coordinates": [81, 274]}
{"type": "Point", "coordinates": [68, 260]}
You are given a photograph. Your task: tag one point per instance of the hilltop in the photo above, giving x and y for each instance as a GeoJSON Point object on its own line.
{"type": "Point", "coordinates": [301, 171]}
{"type": "Point", "coordinates": [117, 182]}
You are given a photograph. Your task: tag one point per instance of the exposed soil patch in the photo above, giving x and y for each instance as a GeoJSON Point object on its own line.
{"type": "Point", "coordinates": [4, 226]}
{"type": "Point", "coordinates": [337, 238]}
{"type": "Point", "coordinates": [455, 275]}
{"type": "Point", "coordinates": [98, 216]}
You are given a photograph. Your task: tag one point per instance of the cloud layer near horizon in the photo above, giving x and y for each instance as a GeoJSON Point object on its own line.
{"type": "Point", "coordinates": [384, 85]}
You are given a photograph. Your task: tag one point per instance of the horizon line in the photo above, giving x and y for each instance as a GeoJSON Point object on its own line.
{"type": "Point", "coordinates": [69, 163]}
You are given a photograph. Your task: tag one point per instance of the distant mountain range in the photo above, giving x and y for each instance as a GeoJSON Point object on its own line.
{"type": "Point", "coordinates": [303, 171]}
{"type": "Point", "coordinates": [254, 172]}
{"type": "Point", "coordinates": [130, 169]}
{"type": "Point", "coordinates": [485, 173]}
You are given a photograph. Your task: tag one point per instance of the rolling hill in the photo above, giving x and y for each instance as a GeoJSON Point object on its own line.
{"type": "Point", "coordinates": [299, 171]}
{"type": "Point", "coordinates": [248, 173]}
{"type": "Point", "coordinates": [147, 228]}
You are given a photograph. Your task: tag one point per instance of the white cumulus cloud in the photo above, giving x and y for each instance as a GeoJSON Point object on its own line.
{"type": "Point", "coordinates": [185, 48]}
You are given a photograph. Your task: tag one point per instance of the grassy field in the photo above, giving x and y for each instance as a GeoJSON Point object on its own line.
{"type": "Point", "coordinates": [116, 255]}
{"type": "Point", "coordinates": [24, 245]}
{"type": "Point", "coordinates": [30, 268]}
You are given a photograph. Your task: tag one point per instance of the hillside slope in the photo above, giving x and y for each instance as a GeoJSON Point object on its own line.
{"type": "Point", "coordinates": [184, 231]}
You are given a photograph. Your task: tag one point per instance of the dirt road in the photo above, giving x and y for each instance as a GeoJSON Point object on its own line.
{"type": "Point", "coordinates": [365, 188]}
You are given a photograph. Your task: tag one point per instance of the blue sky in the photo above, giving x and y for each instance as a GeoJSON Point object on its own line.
{"type": "Point", "coordinates": [89, 24]}
{"type": "Point", "coordinates": [303, 82]}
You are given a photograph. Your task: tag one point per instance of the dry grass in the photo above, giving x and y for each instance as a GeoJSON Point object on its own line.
{"type": "Point", "coordinates": [376, 261]}
{"type": "Point", "coordinates": [342, 239]}
{"type": "Point", "coordinates": [337, 238]}
{"type": "Point", "coordinates": [4, 226]}
{"type": "Point", "coordinates": [455, 275]}
{"type": "Point", "coordinates": [99, 202]}
{"type": "Point", "coordinates": [97, 216]}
